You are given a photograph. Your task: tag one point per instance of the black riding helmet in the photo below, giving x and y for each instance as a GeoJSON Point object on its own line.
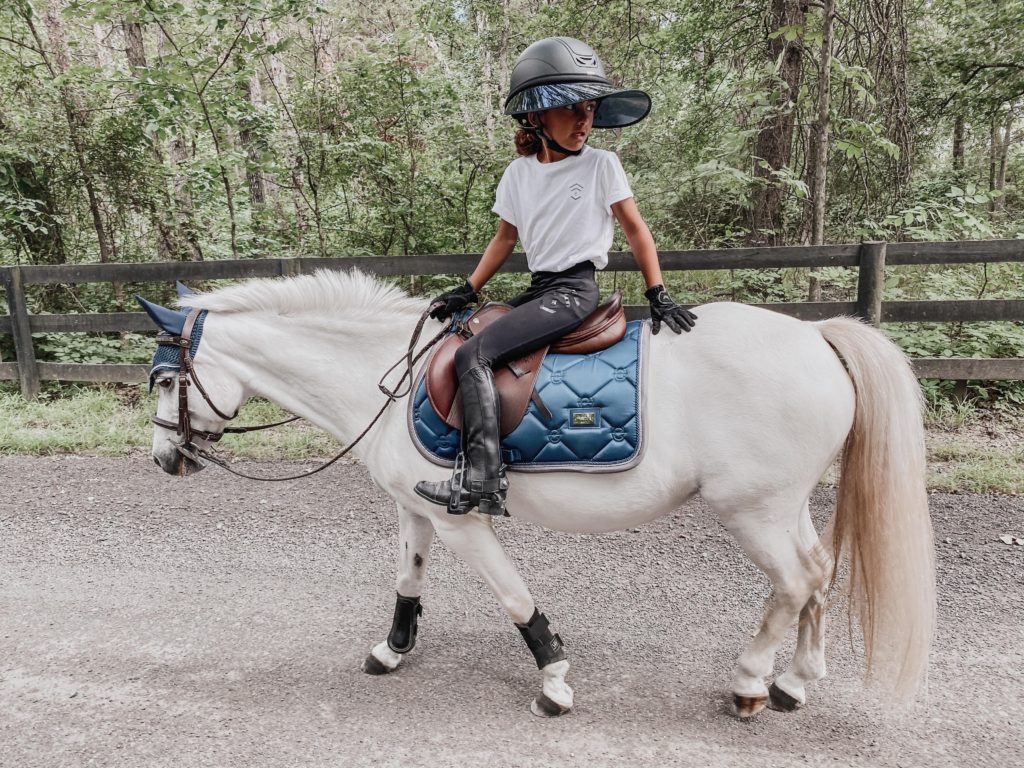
{"type": "Point", "coordinates": [559, 71]}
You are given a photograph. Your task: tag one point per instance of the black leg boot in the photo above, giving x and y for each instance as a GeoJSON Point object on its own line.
{"type": "Point", "coordinates": [479, 476]}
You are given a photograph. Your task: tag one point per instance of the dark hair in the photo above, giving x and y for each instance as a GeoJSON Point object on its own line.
{"type": "Point", "coordinates": [528, 142]}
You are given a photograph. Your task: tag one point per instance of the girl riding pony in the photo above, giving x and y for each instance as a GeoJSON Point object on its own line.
{"type": "Point", "coordinates": [559, 198]}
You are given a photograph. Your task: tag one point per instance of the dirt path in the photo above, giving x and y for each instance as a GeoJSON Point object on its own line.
{"type": "Point", "coordinates": [151, 621]}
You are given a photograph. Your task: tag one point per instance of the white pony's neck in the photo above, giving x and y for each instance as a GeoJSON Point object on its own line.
{"type": "Point", "coordinates": [315, 345]}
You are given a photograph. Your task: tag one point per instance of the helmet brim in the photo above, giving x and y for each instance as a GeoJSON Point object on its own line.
{"type": "Point", "coordinates": [618, 108]}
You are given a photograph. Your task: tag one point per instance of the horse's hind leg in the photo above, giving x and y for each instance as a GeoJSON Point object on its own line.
{"type": "Point", "coordinates": [773, 537]}
{"type": "Point", "coordinates": [808, 665]}
{"type": "Point", "coordinates": [472, 538]}
{"type": "Point", "coordinates": [788, 692]}
{"type": "Point", "coordinates": [415, 535]}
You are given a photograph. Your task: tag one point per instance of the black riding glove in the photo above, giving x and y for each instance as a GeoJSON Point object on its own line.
{"type": "Point", "coordinates": [664, 310]}
{"type": "Point", "coordinates": [450, 302]}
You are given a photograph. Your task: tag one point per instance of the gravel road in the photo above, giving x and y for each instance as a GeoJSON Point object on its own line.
{"type": "Point", "coordinates": [154, 621]}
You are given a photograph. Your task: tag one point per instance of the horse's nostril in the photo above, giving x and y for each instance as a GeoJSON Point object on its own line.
{"type": "Point", "coordinates": [156, 461]}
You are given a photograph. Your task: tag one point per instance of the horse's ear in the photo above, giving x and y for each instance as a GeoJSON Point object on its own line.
{"type": "Point", "coordinates": [168, 320]}
{"type": "Point", "coordinates": [183, 290]}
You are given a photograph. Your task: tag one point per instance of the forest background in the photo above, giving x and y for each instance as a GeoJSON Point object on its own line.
{"type": "Point", "coordinates": [140, 130]}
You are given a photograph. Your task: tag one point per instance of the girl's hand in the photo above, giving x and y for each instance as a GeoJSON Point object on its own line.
{"type": "Point", "coordinates": [665, 310]}
{"type": "Point", "coordinates": [450, 302]}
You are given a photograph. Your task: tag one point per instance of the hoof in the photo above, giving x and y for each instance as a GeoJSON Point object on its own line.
{"type": "Point", "coordinates": [781, 701]}
{"type": "Point", "coordinates": [542, 706]}
{"type": "Point", "coordinates": [746, 707]}
{"type": "Point", "coordinates": [372, 666]}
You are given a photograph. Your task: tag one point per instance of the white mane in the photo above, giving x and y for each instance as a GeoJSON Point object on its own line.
{"type": "Point", "coordinates": [325, 292]}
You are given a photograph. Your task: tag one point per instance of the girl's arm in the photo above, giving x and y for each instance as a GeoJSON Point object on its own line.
{"type": "Point", "coordinates": [663, 308]}
{"type": "Point", "coordinates": [498, 251]}
{"type": "Point", "coordinates": [640, 240]}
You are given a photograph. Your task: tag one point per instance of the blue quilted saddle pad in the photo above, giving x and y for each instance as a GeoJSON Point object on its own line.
{"type": "Point", "coordinates": [596, 410]}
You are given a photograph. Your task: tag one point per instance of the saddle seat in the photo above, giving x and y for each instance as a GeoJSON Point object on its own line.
{"type": "Point", "coordinates": [515, 380]}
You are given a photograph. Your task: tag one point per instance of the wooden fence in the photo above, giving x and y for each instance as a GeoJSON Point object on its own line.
{"type": "Point", "coordinates": [871, 258]}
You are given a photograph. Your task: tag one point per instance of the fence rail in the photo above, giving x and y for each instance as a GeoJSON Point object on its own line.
{"type": "Point", "coordinates": [870, 258]}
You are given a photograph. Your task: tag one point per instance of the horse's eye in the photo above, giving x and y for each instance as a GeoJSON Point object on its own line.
{"type": "Point", "coordinates": [165, 383]}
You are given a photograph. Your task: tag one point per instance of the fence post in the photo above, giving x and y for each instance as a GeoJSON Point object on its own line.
{"type": "Point", "coordinates": [289, 267]}
{"type": "Point", "coordinates": [28, 372]}
{"type": "Point", "coordinates": [871, 281]}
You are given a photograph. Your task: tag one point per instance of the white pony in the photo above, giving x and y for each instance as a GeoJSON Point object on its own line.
{"type": "Point", "coordinates": [749, 410]}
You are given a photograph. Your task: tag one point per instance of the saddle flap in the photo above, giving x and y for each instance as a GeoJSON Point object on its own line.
{"type": "Point", "coordinates": [515, 381]}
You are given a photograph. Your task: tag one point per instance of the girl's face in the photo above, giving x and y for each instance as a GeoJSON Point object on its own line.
{"type": "Point", "coordinates": [570, 125]}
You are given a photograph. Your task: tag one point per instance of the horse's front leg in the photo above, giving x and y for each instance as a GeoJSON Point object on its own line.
{"type": "Point", "coordinates": [415, 535]}
{"type": "Point", "coordinates": [472, 538]}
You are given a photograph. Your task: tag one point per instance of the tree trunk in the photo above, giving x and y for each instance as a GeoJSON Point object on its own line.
{"type": "Point", "coordinates": [215, 136]}
{"type": "Point", "coordinates": [993, 156]}
{"type": "Point", "coordinates": [73, 110]}
{"type": "Point", "coordinates": [161, 213]}
{"type": "Point", "coordinates": [774, 145]}
{"type": "Point", "coordinates": [959, 131]}
{"type": "Point", "coordinates": [182, 207]}
{"type": "Point", "coordinates": [887, 24]}
{"type": "Point", "coordinates": [253, 145]}
{"type": "Point", "coordinates": [820, 142]}
{"type": "Point", "coordinates": [1004, 152]}
{"type": "Point", "coordinates": [503, 43]}
{"type": "Point", "coordinates": [486, 76]}
{"type": "Point", "coordinates": [323, 56]}
{"type": "Point", "coordinates": [104, 59]}
{"type": "Point", "coordinates": [277, 78]}
{"type": "Point", "coordinates": [277, 73]}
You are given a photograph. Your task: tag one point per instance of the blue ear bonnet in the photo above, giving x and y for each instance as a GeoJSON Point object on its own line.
{"type": "Point", "coordinates": [168, 357]}
{"type": "Point", "coordinates": [171, 322]}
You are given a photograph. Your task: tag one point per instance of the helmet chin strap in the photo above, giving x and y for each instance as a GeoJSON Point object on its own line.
{"type": "Point", "coordinates": [551, 143]}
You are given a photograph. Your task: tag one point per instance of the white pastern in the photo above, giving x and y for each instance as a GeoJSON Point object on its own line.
{"type": "Point", "coordinates": [555, 687]}
{"type": "Point", "coordinates": [382, 653]}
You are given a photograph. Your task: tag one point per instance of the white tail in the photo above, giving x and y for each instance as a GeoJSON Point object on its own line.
{"type": "Point", "coordinates": [881, 518]}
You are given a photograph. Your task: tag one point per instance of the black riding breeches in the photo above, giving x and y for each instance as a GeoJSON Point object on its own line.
{"type": "Point", "coordinates": [554, 304]}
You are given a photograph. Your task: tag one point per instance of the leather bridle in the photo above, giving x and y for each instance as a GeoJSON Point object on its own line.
{"type": "Point", "coordinates": [183, 427]}
{"type": "Point", "coordinates": [187, 377]}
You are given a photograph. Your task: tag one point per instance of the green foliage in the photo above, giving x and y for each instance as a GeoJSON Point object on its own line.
{"type": "Point", "coordinates": [376, 129]}
{"type": "Point", "coordinates": [939, 213]}
{"type": "Point", "coordinates": [94, 348]}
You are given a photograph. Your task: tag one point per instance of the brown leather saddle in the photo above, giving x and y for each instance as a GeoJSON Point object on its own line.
{"type": "Point", "coordinates": [605, 326]}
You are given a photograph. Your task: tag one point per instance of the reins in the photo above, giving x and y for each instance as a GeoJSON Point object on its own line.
{"type": "Point", "coordinates": [187, 376]}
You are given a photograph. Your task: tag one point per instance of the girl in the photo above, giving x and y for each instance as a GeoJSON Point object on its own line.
{"type": "Point", "coordinates": [559, 198]}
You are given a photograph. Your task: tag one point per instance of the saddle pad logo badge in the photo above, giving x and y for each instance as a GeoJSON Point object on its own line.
{"type": "Point", "coordinates": [583, 418]}
{"type": "Point", "coordinates": [576, 191]}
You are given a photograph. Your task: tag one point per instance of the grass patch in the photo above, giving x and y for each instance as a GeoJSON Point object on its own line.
{"type": "Point", "coordinates": [84, 420]}
{"type": "Point", "coordinates": [970, 450]}
{"type": "Point", "coordinates": [975, 450]}
{"type": "Point", "coordinates": [961, 465]}
{"type": "Point", "coordinates": [114, 421]}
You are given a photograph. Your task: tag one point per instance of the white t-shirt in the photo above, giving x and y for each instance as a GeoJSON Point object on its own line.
{"type": "Point", "coordinates": [563, 209]}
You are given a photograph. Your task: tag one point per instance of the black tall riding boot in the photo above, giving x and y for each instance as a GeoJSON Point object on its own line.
{"type": "Point", "coordinates": [479, 476]}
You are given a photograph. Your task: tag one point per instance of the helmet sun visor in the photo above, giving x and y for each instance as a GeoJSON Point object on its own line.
{"type": "Point", "coordinates": [617, 108]}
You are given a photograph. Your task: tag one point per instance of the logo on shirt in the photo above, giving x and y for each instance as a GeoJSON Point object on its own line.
{"type": "Point", "coordinates": [576, 191]}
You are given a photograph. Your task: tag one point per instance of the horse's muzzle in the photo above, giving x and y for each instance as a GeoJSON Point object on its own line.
{"type": "Point", "coordinates": [184, 460]}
